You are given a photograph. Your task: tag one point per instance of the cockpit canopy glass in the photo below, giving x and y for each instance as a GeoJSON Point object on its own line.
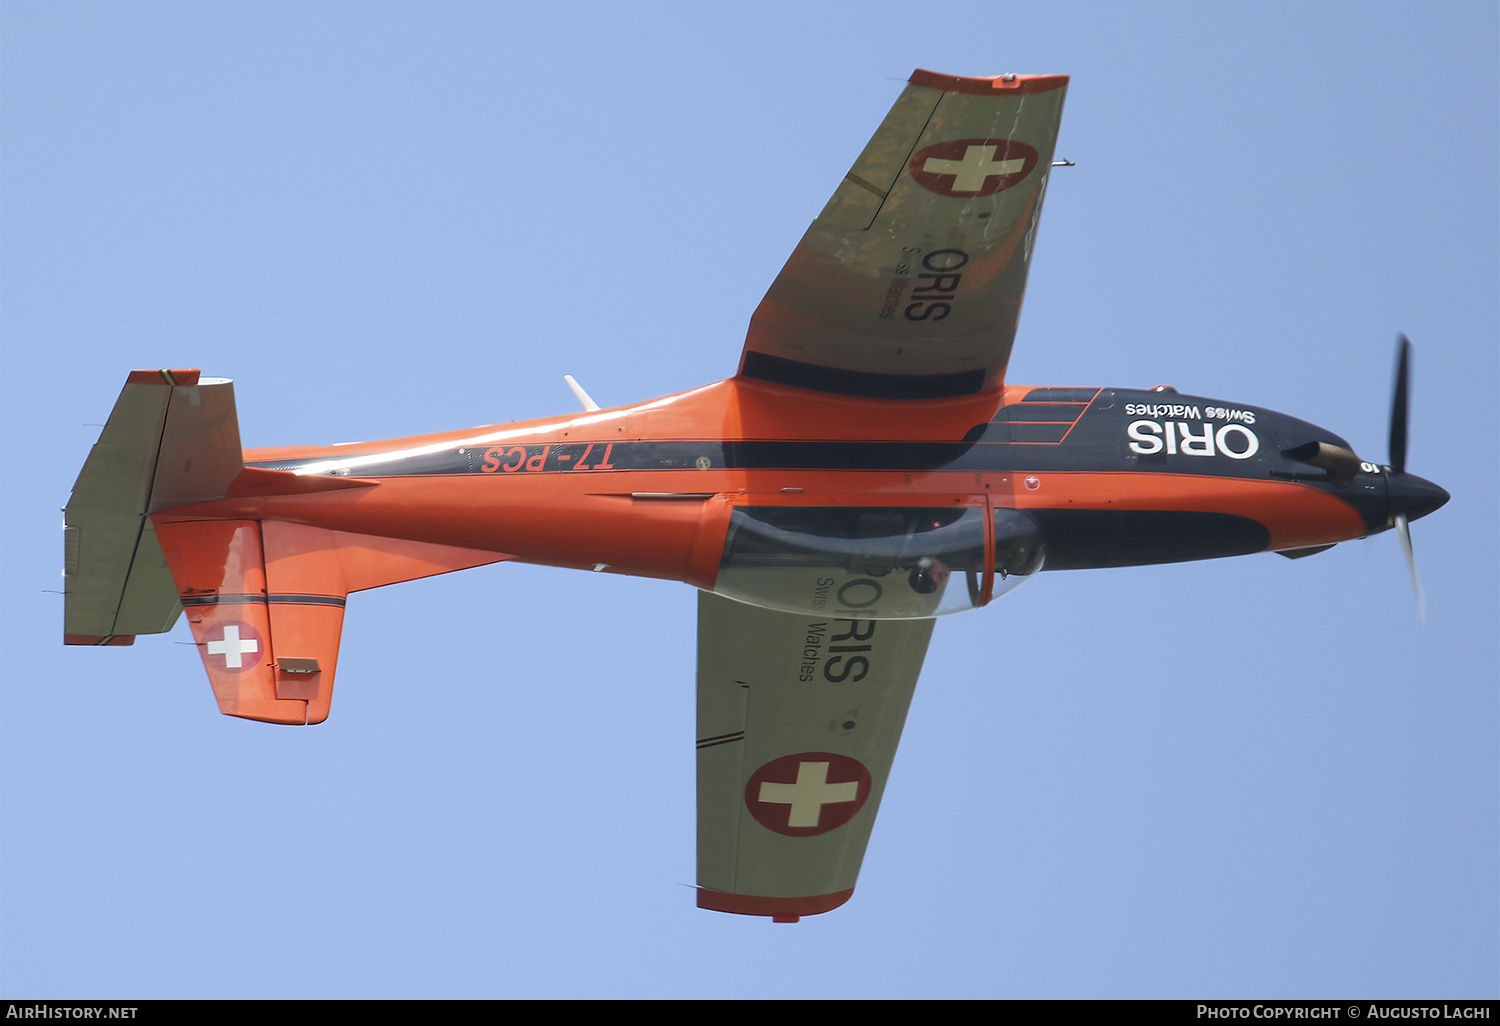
{"type": "Point", "coordinates": [889, 562]}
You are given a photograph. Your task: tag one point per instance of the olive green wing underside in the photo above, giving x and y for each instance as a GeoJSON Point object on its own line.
{"type": "Point", "coordinates": [799, 717]}
{"type": "Point", "coordinates": [909, 283]}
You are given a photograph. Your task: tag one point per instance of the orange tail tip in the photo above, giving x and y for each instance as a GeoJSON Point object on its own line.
{"type": "Point", "coordinates": [188, 376]}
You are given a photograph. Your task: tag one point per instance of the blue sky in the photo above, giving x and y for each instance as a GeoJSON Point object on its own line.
{"type": "Point", "coordinates": [1240, 777]}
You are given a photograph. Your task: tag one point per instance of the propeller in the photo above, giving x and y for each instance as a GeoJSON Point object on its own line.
{"type": "Point", "coordinates": [1400, 404]}
{"type": "Point", "coordinates": [1391, 499]}
{"type": "Point", "coordinates": [1407, 493]}
{"type": "Point", "coordinates": [1403, 531]}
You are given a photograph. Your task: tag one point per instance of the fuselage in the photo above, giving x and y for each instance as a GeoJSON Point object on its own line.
{"type": "Point", "coordinates": [1111, 477]}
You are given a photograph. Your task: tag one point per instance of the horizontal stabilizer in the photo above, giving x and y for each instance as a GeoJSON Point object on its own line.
{"type": "Point", "coordinates": [172, 438]}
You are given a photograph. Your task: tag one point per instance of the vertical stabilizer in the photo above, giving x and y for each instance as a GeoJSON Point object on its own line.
{"type": "Point", "coordinates": [265, 600]}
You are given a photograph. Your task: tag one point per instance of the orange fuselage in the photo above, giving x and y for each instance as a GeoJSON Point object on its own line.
{"type": "Point", "coordinates": [648, 489]}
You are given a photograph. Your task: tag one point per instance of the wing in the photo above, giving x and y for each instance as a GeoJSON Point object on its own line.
{"type": "Point", "coordinates": [798, 721]}
{"type": "Point", "coordinates": [909, 284]}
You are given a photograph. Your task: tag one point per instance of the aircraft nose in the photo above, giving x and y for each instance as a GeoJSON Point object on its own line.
{"type": "Point", "coordinates": [1413, 496]}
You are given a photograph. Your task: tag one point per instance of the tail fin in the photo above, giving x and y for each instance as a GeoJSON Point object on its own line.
{"type": "Point", "coordinates": [265, 598]}
{"type": "Point", "coordinates": [172, 437]}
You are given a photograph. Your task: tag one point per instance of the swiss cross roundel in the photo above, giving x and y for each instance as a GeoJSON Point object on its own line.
{"type": "Point", "coordinates": [807, 794]}
{"type": "Point", "coordinates": [232, 646]}
{"type": "Point", "coordinates": [972, 167]}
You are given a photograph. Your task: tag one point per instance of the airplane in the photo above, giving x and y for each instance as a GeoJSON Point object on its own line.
{"type": "Point", "coordinates": [867, 469]}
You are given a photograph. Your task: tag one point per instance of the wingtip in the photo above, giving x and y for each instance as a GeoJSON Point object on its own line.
{"type": "Point", "coordinates": [1010, 83]}
{"type": "Point", "coordinates": [780, 910]}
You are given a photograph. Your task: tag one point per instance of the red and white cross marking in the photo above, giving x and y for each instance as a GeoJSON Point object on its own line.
{"type": "Point", "coordinates": [806, 794]}
{"type": "Point", "coordinates": [234, 644]}
{"type": "Point", "coordinates": [978, 166]}
{"type": "Point", "coordinates": [972, 167]}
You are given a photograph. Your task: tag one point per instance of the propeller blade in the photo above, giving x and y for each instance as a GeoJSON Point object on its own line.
{"type": "Point", "coordinates": [1400, 405]}
{"type": "Point", "coordinates": [1403, 529]}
